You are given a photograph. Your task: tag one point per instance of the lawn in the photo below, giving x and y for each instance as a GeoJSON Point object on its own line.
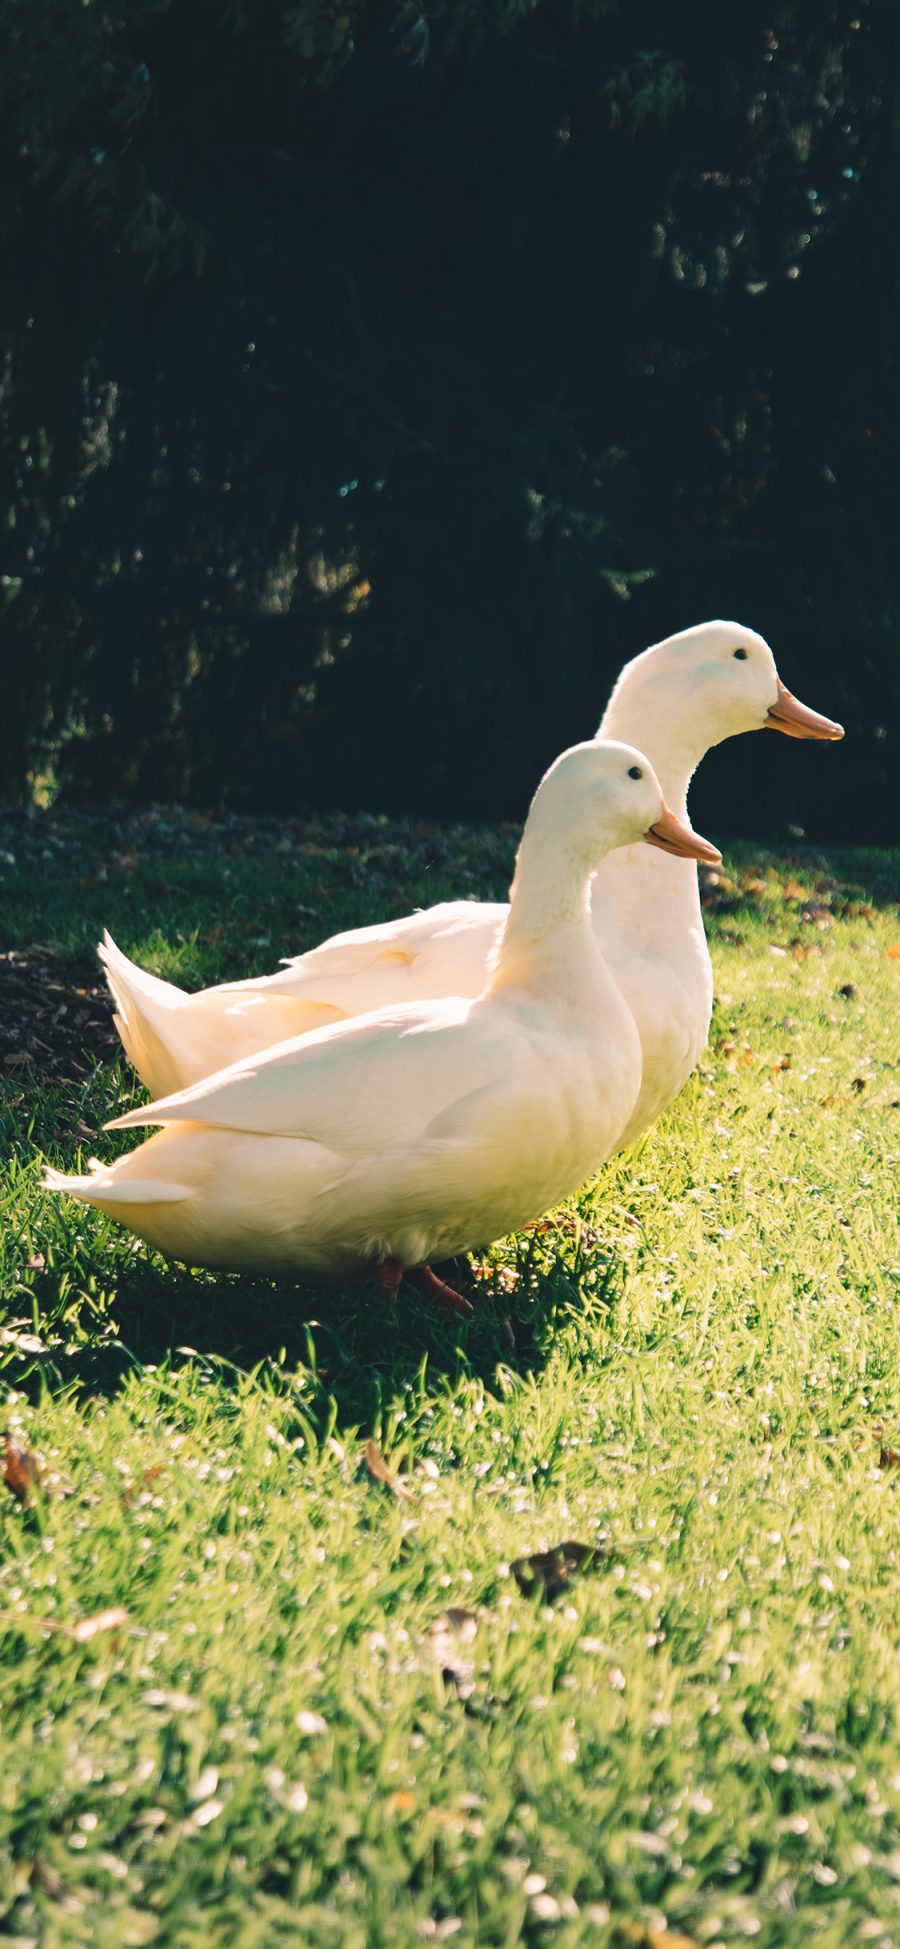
{"type": "Point", "coordinates": [252, 1694]}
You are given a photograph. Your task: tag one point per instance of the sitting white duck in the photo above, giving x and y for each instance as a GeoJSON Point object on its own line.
{"type": "Point", "coordinates": [424, 1128]}
{"type": "Point", "coordinates": [675, 701]}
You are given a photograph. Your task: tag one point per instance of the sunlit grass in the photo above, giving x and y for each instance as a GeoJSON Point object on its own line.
{"type": "Point", "coordinates": [698, 1739]}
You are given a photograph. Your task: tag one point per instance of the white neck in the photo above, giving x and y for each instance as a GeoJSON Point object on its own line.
{"type": "Point", "coordinates": [643, 900]}
{"type": "Point", "coordinates": [548, 948]}
{"type": "Point", "coordinates": [640, 720]}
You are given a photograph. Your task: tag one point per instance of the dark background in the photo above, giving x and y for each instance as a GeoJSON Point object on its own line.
{"type": "Point", "coordinates": [377, 379]}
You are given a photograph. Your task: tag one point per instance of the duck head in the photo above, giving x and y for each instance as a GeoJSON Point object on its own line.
{"type": "Point", "coordinates": [604, 794]}
{"type": "Point", "coordinates": [703, 685]}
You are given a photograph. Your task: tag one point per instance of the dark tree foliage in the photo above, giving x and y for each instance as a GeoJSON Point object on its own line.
{"type": "Point", "coordinates": [376, 380]}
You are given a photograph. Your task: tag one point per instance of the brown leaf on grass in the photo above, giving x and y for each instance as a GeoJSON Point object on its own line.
{"type": "Point", "coordinates": [377, 1466]}
{"type": "Point", "coordinates": [20, 1471]}
{"type": "Point", "coordinates": [88, 1627]}
{"type": "Point", "coordinates": [149, 1475]}
{"type": "Point", "coordinates": [889, 1458]}
{"type": "Point", "coordinates": [549, 1571]}
{"type": "Point", "coordinates": [27, 1477]}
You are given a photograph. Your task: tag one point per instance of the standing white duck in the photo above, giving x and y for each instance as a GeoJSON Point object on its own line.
{"type": "Point", "coordinates": [675, 701]}
{"type": "Point", "coordinates": [421, 1129]}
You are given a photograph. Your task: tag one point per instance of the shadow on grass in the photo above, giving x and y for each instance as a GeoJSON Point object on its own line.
{"type": "Point", "coordinates": [346, 1357]}
{"type": "Point", "coordinates": [84, 1310]}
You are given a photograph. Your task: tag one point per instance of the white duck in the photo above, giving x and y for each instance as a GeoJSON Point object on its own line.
{"type": "Point", "coordinates": [424, 1128]}
{"type": "Point", "coordinates": [675, 701]}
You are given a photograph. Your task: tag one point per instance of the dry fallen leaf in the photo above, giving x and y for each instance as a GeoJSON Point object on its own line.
{"type": "Point", "coordinates": [27, 1477]}
{"type": "Point", "coordinates": [377, 1466]}
{"type": "Point", "coordinates": [889, 1458]}
{"type": "Point", "coordinates": [549, 1571]}
{"type": "Point", "coordinates": [20, 1470]}
{"type": "Point", "coordinates": [149, 1475]}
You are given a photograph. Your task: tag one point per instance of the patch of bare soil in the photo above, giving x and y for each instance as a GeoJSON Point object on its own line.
{"type": "Point", "coordinates": [55, 1015]}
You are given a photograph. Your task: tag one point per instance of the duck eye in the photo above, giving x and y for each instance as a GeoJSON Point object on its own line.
{"type": "Point", "coordinates": [741, 655]}
{"type": "Point", "coordinates": [634, 771]}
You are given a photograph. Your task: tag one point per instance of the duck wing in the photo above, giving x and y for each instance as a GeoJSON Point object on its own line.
{"type": "Point", "coordinates": [372, 1083]}
{"type": "Point", "coordinates": [399, 959]}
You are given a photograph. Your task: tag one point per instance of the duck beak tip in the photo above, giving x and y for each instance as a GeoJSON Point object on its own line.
{"type": "Point", "coordinates": [673, 836]}
{"type": "Point", "coordinates": [796, 720]}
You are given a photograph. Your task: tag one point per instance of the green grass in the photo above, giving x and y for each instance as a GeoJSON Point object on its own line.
{"type": "Point", "coordinates": [698, 1739]}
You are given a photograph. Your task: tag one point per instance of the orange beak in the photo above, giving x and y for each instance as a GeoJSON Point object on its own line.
{"type": "Point", "coordinates": [673, 836]}
{"type": "Point", "coordinates": [796, 720]}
